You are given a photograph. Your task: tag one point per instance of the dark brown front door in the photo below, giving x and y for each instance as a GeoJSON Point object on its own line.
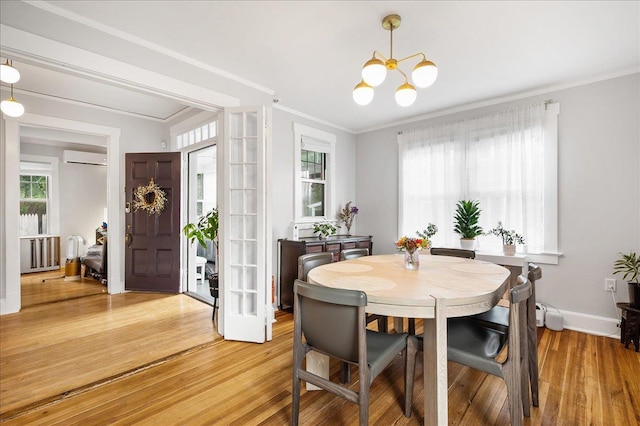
{"type": "Point", "coordinates": [152, 240]}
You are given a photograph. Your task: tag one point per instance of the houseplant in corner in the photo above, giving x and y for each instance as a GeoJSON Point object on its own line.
{"type": "Point", "coordinates": [466, 223]}
{"type": "Point", "coordinates": [629, 266]}
{"type": "Point", "coordinates": [509, 239]}
{"type": "Point", "coordinates": [206, 229]}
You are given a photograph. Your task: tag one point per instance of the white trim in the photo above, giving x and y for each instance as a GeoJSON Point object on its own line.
{"type": "Point", "coordinates": [590, 324]}
{"type": "Point", "coordinates": [144, 43]}
{"type": "Point", "coordinates": [312, 118]}
{"type": "Point", "coordinates": [301, 131]}
{"type": "Point", "coordinates": [550, 212]}
{"type": "Point", "coordinates": [11, 278]}
{"type": "Point", "coordinates": [39, 50]}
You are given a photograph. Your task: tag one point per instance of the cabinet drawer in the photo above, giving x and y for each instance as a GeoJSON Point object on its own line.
{"type": "Point", "coordinates": [364, 244]}
{"type": "Point", "coordinates": [350, 245]}
{"type": "Point", "coordinates": [315, 248]}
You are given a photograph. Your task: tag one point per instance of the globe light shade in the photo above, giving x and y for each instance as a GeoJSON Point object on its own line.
{"type": "Point", "coordinates": [406, 95]}
{"type": "Point", "coordinates": [9, 74]}
{"type": "Point", "coordinates": [11, 107]}
{"type": "Point", "coordinates": [374, 72]}
{"type": "Point", "coordinates": [363, 93]}
{"type": "Point", "coordinates": [424, 74]}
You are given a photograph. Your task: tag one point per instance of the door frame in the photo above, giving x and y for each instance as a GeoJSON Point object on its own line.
{"type": "Point", "coordinates": [10, 261]}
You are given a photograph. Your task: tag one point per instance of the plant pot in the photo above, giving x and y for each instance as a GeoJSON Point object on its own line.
{"type": "Point", "coordinates": [467, 243]}
{"type": "Point", "coordinates": [634, 295]}
{"type": "Point", "coordinates": [509, 249]}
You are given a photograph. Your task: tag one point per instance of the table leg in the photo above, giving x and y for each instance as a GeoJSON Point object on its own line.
{"type": "Point", "coordinates": [317, 364]}
{"type": "Point", "coordinates": [435, 366]}
{"type": "Point", "coordinates": [398, 324]}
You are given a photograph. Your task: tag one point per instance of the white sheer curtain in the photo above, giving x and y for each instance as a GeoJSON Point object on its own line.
{"type": "Point", "coordinates": [496, 159]}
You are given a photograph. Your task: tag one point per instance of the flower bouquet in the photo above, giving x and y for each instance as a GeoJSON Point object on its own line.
{"type": "Point", "coordinates": [347, 215]}
{"type": "Point", "coordinates": [411, 247]}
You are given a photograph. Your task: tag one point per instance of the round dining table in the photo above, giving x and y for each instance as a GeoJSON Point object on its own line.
{"type": "Point", "coordinates": [441, 288]}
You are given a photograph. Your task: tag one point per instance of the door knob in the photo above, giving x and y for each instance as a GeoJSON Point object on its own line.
{"type": "Point", "coordinates": [127, 239]}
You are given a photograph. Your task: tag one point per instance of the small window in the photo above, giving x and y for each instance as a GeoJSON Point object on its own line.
{"type": "Point", "coordinates": [34, 204]}
{"type": "Point", "coordinates": [314, 174]}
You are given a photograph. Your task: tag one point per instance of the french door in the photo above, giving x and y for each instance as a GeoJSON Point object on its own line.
{"type": "Point", "coordinates": [245, 227]}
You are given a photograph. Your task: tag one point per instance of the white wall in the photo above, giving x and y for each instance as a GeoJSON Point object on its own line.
{"type": "Point", "coordinates": [282, 173]}
{"type": "Point", "coordinates": [598, 190]}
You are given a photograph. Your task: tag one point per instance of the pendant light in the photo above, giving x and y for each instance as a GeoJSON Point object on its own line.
{"type": "Point", "coordinates": [11, 107]}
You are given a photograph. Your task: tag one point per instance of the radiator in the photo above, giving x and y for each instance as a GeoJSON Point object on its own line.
{"type": "Point", "coordinates": [39, 253]}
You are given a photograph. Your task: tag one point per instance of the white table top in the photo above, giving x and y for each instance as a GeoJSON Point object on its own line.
{"type": "Point", "coordinates": [468, 286]}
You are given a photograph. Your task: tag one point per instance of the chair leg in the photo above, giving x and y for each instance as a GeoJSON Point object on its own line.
{"type": "Point", "coordinates": [524, 364]}
{"type": "Point", "coordinates": [412, 326]}
{"type": "Point", "coordinates": [345, 372]}
{"type": "Point", "coordinates": [532, 341]}
{"type": "Point", "coordinates": [409, 373]}
{"type": "Point", "coordinates": [514, 397]}
{"type": "Point", "coordinates": [383, 326]}
{"type": "Point", "coordinates": [215, 304]}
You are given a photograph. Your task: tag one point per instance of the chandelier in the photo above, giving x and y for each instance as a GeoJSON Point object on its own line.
{"type": "Point", "coordinates": [10, 75]}
{"type": "Point", "coordinates": [374, 72]}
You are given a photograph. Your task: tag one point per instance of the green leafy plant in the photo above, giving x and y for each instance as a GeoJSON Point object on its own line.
{"type": "Point", "coordinates": [629, 266]}
{"type": "Point", "coordinates": [325, 228]}
{"type": "Point", "coordinates": [429, 232]}
{"type": "Point", "coordinates": [509, 237]}
{"type": "Point", "coordinates": [205, 229]}
{"type": "Point", "coordinates": [466, 219]}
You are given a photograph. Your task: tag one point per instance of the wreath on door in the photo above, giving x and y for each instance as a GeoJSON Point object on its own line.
{"type": "Point", "coordinates": [150, 198]}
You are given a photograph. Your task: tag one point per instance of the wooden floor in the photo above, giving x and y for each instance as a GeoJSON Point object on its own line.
{"type": "Point", "coordinates": [155, 359]}
{"type": "Point", "coordinates": [50, 286]}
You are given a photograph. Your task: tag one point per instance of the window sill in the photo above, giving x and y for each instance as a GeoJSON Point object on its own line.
{"type": "Point", "coordinates": [519, 259]}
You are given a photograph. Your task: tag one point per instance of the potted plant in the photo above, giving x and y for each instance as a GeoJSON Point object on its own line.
{"type": "Point", "coordinates": [206, 229]}
{"type": "Point", "coordinates": [629, 266]}
{"type": "Point", "coordinates": [466, 223]}
{"type": "Point", "coordinates": [324, 229]}
{"type": "Point", "coordinates": [426, 234]}
{"type": "Point", "coordinates": [509, 239]}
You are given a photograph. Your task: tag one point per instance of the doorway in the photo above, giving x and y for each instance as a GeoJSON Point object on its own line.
{"type": "Point", "coordinates": [202, 181]}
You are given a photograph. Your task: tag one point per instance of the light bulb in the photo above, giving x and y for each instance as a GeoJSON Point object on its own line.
{"type": "Point", "coordinates": [374, 72]}
{"type": "Point", "coordinates": [424, 74]}
{"type": "Point", "coordinates": [11, 107]}
{"type": "Point", "coordinates": [363, 93]}
{"type": "Point", "coordinates": [9, 74]}
{"type": "Point", "coordinates": [406, 95]}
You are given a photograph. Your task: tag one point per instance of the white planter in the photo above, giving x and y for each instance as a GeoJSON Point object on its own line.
{"type": "Point", "coordinates": [467, 244]}
{"type": "Point", "coordinates": [509, 249]}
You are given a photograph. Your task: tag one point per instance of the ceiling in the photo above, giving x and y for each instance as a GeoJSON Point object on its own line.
{"type": "Point", "coordinates": [308, 54]}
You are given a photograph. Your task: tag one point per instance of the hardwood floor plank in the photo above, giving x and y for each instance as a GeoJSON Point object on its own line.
{"type": "Point", "coordinates": [150, 359]}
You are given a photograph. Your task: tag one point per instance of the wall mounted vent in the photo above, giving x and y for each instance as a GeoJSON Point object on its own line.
{"type": "Point", "coordinates": [80, 157]}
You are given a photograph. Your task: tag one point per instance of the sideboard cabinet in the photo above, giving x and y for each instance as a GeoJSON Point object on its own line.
{"type": "Point", "coordinates": [290, 250]}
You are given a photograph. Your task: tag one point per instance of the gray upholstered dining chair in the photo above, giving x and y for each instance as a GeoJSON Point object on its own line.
{"type": "Point", "coordinates": [333, 322]}
{"type": "Point", "coordinates": [443, 251]}
{"type": "Point", "coordinates": [308, 261]}
{"type": "Point", "coordinates": [353, 253]}
{"type": "Point", "coordinates": [481, 347]}
{"type": "Point", "coordinates": [498, 316]}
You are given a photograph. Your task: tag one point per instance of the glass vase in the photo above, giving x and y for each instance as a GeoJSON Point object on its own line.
{"type": "Point", "coordinates": [412, 259]}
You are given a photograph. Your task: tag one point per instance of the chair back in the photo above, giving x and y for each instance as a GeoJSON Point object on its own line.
{"type": "Point", "coordinates": [308, 261]}
{"type": "Point", "coordinates": [331, 319]}
{"type": "Point", "coordinates": [441, 251]}
{"type": "Point", "coordinates": [353, 253]}
{"type": "Point", "coordinates": [535, 272]}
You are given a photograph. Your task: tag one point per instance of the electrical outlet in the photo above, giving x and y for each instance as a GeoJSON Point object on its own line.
{"type": "Point", "coordinates": [610, 284]}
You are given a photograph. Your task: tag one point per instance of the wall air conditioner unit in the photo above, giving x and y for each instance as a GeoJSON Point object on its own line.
{"type": "Point", "coordinates": [80, 157]}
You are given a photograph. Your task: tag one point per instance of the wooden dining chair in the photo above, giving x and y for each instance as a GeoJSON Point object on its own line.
{"type": "Point", "coordinates": [333, 322]}
{"type": "Point", "coordinates": [443, 251]}
{"type": "Point", "coordinates": [353, 253]}
{"type": "Point", "coordinates": [480, 347]}
{"type": "Point", "coordinates": [498, 316]}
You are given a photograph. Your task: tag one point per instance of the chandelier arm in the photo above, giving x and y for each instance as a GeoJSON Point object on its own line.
{"type": "Point", "coordinates": [406, 78]}
{"type": "Point", "coordinates": [379, 55]}
{"type": "Point", "coordinates": [413, 56]}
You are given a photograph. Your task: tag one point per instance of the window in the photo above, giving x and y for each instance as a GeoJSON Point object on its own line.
{"type": "Point", "coordinates": [34, 204]}
{"type": "Point", "coordinates": [199, 194]}
{"type": "Point", "coordinates": [314, 173]}
{"type": "Point", "coordinates": [198, 134]}
{"type": "Point", "coordinates": [506, 161]}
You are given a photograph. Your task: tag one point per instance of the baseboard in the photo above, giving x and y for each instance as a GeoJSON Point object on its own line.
{"type": "Point", "coordinates": [590, 324]}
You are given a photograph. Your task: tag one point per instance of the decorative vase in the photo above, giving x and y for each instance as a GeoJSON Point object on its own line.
{"type": "Point", "coordinates": [634, 294]}
{"type": "Point", "coordinates": [412, 259]}
{"type": "Point", "coordinates": [509, 249]}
